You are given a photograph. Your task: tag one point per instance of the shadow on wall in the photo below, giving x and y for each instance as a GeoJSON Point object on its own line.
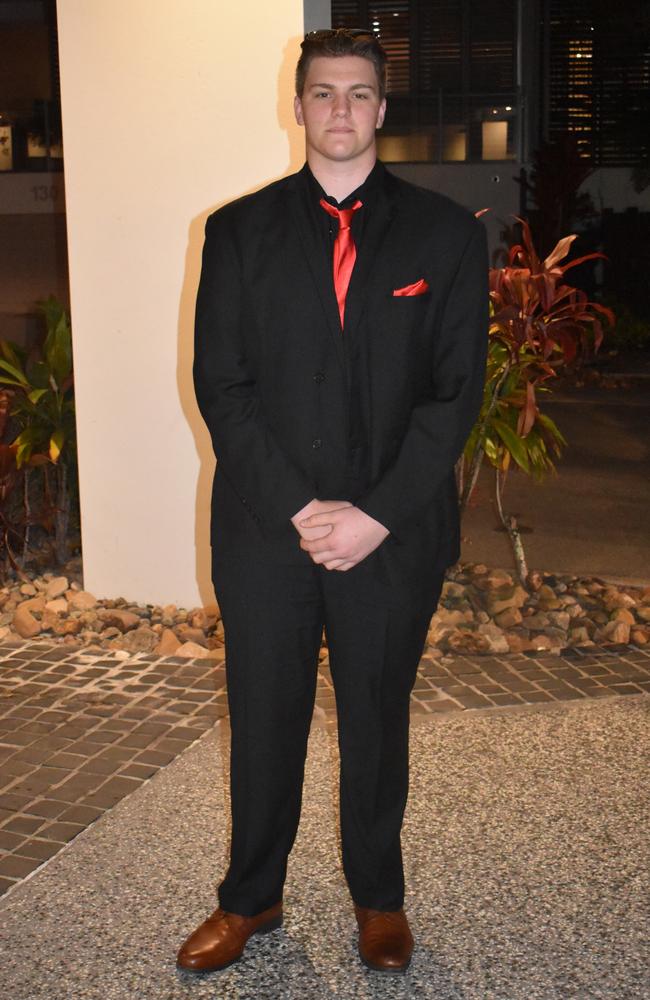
{"type": "Point", "coordinates": [185, 353]}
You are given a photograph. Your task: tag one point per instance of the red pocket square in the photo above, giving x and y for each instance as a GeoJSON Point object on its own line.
{"type": "Point", "coordinates": [417, 288]}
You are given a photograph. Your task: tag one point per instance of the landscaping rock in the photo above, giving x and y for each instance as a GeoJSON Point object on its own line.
{"type": "Point", "coordinates": [191, 650]}
{"type": "Point", "coordinates": [536, 622]}
{"type": "Point", "coordinates": [481, 610]}
{"type": "Point", "coordinates": [117, 618]}
{"type": "Point", "coordinates": [33, 603]}
{"type": "Point", "coordinates": [57, 587]}
{"type": "Point", "coordinates": [509, 617]}
{"type": "Point", "coordinates": [81, 600]}
{"type": "Point", "coordinates": [513, 596]}
{"type": "Point", "coordinates": [618, 632]}
{"type": "Point", "coordinates": [25, 624]}
{"type": "Point", "coordinates": [168, 643]}
{"type": "Point", "coordinates": [188, 634]}
{"type": "Point", "coordinates": [58, 605]}
{"type": "Point", "coordinates": [138, 640]}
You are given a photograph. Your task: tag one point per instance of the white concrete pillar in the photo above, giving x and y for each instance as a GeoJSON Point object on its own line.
{"type": "Point", "coordinates": [169, 110]}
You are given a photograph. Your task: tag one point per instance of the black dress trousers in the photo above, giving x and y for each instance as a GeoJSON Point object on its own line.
{"type": "Point", "coordinates": [274, 612]}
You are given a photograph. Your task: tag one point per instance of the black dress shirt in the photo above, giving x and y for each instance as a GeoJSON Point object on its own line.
{"type": "Point", "coordinates": [366, 193]}
{"type": "Point", "coordinates": [358, 454]}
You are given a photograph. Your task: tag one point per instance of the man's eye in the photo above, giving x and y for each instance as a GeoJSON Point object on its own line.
{"type": "Point", "coordinates": [361, 97]}
{"type": "Point", "coordinates": [323, 93]}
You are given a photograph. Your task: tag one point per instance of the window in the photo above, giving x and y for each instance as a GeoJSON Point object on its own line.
{"type": "Point", "coordinates": [452, 78]}
{"type": "Point", "coordinates": [598, 73]}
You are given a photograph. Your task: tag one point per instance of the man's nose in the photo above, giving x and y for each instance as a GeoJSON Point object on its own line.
{"type": "Point", "coordinates": [341, 105]}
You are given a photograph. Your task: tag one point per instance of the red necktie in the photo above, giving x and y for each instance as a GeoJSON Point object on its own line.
{"type": "Point", "coordinates": [345, 252]}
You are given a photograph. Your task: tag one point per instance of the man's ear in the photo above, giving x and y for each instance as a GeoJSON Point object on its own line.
{"type": "Point", "coordinates": [297, 110]}
{"type": "Point", "coordinates": [381, 114]}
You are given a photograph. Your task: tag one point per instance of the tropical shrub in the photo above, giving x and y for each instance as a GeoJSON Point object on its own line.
{"type": "Point", "coordinates": [538, 324]}
{"type": "Point", "coordinates": [39, 388]}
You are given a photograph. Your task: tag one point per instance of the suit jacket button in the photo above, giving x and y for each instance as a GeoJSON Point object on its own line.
{"type": "Point", "coordinates": [316, 443]}
{"type": "Point", "coordinates": [319, 377]}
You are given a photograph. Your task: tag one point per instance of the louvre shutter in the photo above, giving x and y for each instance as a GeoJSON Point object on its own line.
{"type": "Point", "coordinates": [599, 78]}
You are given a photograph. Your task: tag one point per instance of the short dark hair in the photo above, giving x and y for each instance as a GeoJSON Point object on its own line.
{"type": "Point", "coordinates": [336, 42]}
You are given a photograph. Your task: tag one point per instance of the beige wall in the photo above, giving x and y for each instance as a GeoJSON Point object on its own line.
{"type": "Point", "coordinates": [169, 109]}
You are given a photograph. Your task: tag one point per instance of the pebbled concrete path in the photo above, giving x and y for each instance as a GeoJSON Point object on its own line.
{"type": "Point", "coordinates": [526, 847]}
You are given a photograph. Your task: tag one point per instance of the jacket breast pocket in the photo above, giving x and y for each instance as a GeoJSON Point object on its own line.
{"type": "Point", "coordinates": [406, 315]}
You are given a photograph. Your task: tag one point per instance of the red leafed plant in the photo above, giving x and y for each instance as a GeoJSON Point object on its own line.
{"type": "Point", "coordinates": [538, 324]}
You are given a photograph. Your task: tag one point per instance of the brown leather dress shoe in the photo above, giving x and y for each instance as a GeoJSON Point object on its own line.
{"type": "Point", "coordinates": [385, 939]}
{"type": "Point", "coordinates": [221, 939]}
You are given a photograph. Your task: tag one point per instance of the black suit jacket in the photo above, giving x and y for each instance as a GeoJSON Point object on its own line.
{"type": "Point", "coordinates": [377, 414]}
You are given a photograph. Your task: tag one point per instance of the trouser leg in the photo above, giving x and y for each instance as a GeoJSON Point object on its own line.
{"type": "Point", "coordinates": [273, 626]}
{"type": "Point", "coordinates": [374, 653]}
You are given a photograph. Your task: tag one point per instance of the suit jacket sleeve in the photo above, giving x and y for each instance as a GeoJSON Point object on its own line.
{"type": "Point", "coordinates": [439, 426]}
{"type": "Point", "coordinates": [269, 485]}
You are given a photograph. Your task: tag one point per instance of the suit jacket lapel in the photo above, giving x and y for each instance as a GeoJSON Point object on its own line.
{"type": "Point", "coordinates": [377, 229]}
{"type": "Point", "coordinates": [319, 263]}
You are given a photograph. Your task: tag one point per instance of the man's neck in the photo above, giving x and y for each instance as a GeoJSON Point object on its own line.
{"type": "Point", "coordinates": [340, 179]}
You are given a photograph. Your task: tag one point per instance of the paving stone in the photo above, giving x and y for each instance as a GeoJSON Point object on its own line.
{"type": "Point", "coordinates": [14, 801]}
{"type": "Point", "coordinates": [33, 784]}
{"type": "Point", "coordinates": [473, 701]}
{"type": "Point", "coordinates": [485, 687]}
{"type": "Point", "coordinates": [41, 850]}
{"type": "Point", "coordinates": [53, 774]}
{"type": "Point", "coordinates": [139, 771]}
{"type": "Point", "coordinates": [182, 707]}
{"type": "Point", "coordinates": [188, 732]}
{"type": "Point", "coordinates": [23, 824]}
{"type": "Point", "coordinates": [51, 743]}
{"type": "Point", "coordinates": [19, 739]}
{"type": "Point", "coordinates": [102, 736]}
{"type": "Point", "coordinates": [68, 760]}
{"type": "Point", "coordinates": [10, 841]}
{"type": "Point", "coordinates": [80, 814]}
{"type": "Point", "coordinates": [112, 791]}
{"type": "Point", "coordinates": [99, 765]}
{"type": "Point", "coordinates": [116, 753]}
{"type": "Point", "coordinates": [154, 757]}
{"type": "Point", "coordinates": [61, 832]}
{"type": "Point", "coordinates": [17, 768]}
{"type": "Point", "coordinates": [428, 694]}
{"type": "Point", "coordinates": [18, 867]}
{"type": "Point", "coordinates": [506, 699]}
{"type": "Point", "coordinates": [84, 748]}
{"type": "Point", "coordinates": [139, 740]}
{"type": "Point", "coordinates": [443, 705]}
{"type": "Point", "coordinates": [521, 686]}
{"type": "Point", "coordinates": [75, 787]}
{"type": "Point", "coordinates": [47, 808]}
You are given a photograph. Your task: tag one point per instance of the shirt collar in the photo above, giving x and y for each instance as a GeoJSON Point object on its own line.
{"type": "Point", "coordinates": [365, 192]}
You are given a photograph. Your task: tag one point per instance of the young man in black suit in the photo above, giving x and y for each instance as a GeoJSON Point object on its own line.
{"type": "Point", "coordinates": [341, 338]}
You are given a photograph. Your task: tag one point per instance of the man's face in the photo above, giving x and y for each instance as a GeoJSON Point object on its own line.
{"type": "Point", "coordinates": [340, 107]}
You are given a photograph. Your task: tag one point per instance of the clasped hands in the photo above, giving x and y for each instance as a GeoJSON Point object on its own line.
{"type": "Point", "coordinates": [337, 534]}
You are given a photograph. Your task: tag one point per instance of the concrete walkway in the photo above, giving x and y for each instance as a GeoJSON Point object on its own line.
{"type": "Point", "coordinates": [526, 850]}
